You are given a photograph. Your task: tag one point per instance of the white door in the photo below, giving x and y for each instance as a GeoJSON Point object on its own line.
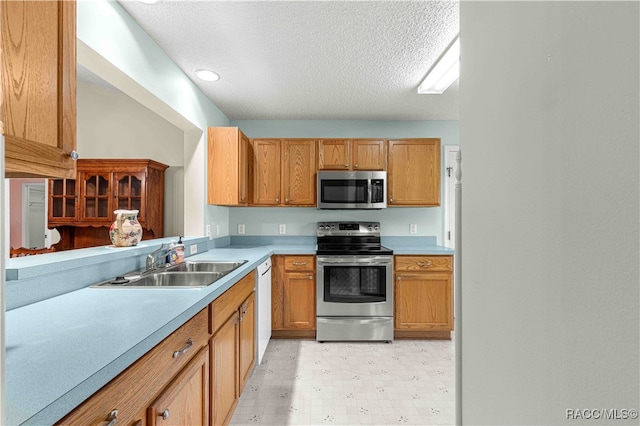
{"type": "Point", "coordinates": [34, 215]}
{"type": "Point", "coordinates": [449, 237]}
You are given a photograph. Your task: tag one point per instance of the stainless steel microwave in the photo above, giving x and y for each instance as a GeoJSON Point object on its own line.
{"type": "Point", "coordinates": [352, 190]}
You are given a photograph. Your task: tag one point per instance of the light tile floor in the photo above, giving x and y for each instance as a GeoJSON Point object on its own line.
{"type": "Point", "coordinates": [303, 382]}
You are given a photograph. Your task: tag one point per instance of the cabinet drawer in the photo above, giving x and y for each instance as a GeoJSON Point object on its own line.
{"type": "Point", "coordinates": [137, 386]}
{"type": "Point", "coordinates": [299, 263]}
{"type": "Point", "coordinates": [424, 263]}
{"type": "Point", "coordinates": [227, 303]}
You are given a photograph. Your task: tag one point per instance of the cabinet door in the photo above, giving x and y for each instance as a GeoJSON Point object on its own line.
{"type": "Point", "coordinates": [299, 172]}
{"type": "Point", "coordinates": [247, 339]}
{"type": "Point", "coordinates": [39, 87]}
{"type": "Point", "coordinates": [277, 292]}
{"type": "Point", "coordinates": [414, 172]}
{"type": "Point", "coordinates": [185, 401]}
{"type": "Point", "coordinates": [130, 193]}
{"type": "Point", "coordinates": [266, 170]}
{"type": "Point", "coordinates": [300, 301]}
{"type": "Point", "coordinates": [96, 197]}
{"type": "Point", "coordinates": [369, 154]}
{"type": "Point", "coordinates": [227, 172]}
{"type": "Point", "coordinates": [424, 301]}
{"type": "Point", "coordinates": [224, 371]}
{"type": "Point", "coordinates": [63, 198]}
{"type": "Point", "coordinates": [333, 154]}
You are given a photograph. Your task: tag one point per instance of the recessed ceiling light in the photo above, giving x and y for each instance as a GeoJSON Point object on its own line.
{"type": "Point", "coordinates": [444, 72]}
{"type": "Point", "coordinates": [207, 75]}
{"type": "Point", "coordinates": [148, 1]}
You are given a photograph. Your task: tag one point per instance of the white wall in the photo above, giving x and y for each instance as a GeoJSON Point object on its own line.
{"type": "Point", "coordinates": [114, 47]}
{"type": "Point", "coordinates": [113, 125]}
{"type": "Point", "coordinates": [549, 131]}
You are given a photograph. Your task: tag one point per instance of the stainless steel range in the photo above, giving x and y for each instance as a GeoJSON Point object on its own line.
{"type": "Point", "coordinates": [354, 283]}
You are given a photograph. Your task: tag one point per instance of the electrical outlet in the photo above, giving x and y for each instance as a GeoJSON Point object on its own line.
{"type": "Point", "coordinates": [217, 229]}
{"type": "Point", "coordinates": [209, 231]}
{"type": "Point", "coordinates": [193, 249]}
{"type": "Point", "coordinates": [241, 228]}
{"type": "Point", "coordinates": [413, 228]}
{"type": "Point", "coordinates": [282, 228]}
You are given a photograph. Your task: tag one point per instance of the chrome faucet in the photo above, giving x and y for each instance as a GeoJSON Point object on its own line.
{"type": "Point", "coordinates": [151, 257]}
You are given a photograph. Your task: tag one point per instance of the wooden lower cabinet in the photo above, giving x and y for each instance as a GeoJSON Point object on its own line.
{"type": "Point", "coordinates": [232, 347]}
{"type": "Point", "coordinates": [423, 296]}
{"type": "Point", "coordinates": [186, 400]}
{"type": "Point", "coordinates": [193, 377]}
{"type": "Point", "coordinates": [293, 296]}
{"type": "Point", "coordinates": [224, 371]}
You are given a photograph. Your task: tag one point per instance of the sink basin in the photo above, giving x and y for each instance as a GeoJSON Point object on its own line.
{"type": "Point", "coordinates": [191, 274]}
{"type": "Point", "coordinates": [206, 266]}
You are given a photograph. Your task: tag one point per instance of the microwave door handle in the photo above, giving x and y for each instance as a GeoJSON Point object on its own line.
{"type": "Point", "coordinates": [369, 196]}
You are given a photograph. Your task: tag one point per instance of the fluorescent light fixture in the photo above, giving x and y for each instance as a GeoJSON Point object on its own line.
{"type": "Point", "coordinates": [443, 73]}
{"type": "Point", "coordinates": [207, 75]}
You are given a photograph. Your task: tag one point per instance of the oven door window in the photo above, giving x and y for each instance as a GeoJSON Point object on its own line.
{"type": "Point", "coordinates": [341, 191]}
{"type": "Point", "coordinates": [355, 284]}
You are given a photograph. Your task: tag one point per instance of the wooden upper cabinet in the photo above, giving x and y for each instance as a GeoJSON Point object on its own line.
{"type": "Point", "coordinates": [414, 172]}
{"type": "Point", "coordinates": [352, 154]}
{"type": "Point", "coordinates": [227, 174]}
{"type": "Point", "coordinates": [39, 87]}
{"type": "Point", "coordinates": [265, 165]}
{"type": "Point", "coordinates": [283, 172]}
{"type": "Point", "coordinates": [369, 154]}
{"type": "Point", "coordinates": [333, 154]}
{"type": "Point", "coordinates": [299, 172]}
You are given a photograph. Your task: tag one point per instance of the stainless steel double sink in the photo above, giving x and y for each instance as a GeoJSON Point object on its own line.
{"type": "Point", "coordinates": [190, 274]}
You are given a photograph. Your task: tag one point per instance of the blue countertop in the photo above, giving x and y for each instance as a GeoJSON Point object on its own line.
{"type": "Point", "coordinates": [61, 350]}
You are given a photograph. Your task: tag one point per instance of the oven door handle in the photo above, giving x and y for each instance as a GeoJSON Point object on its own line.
{"type": "Point", "coordinates": [345, 261]}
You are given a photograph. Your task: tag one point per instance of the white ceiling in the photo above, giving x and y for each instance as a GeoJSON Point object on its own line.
{"type": "Point", "coordinates": [297, 60]}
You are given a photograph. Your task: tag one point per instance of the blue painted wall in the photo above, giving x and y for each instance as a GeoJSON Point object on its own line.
{"type": "Point", "coordinates": [302, 221]}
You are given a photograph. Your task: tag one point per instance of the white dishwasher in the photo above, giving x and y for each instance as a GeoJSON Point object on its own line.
{"type": "Point", "coordinates": [263, 318]}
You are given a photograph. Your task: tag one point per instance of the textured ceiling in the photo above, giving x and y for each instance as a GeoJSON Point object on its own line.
{"type": "Point", "coordinates": [296, 60]}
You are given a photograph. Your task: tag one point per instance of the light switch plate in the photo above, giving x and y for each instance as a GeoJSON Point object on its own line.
{"type": "Point", "coordinates": [193, 249]}
{"type": "Point", "coordinates": [241, 228]}
{"type": "Point", "coordinates": [209, 231]}
{"type": "Point", "coordinates": [282, 228]}
{"type": "Point", "coordinates": [413, 228]}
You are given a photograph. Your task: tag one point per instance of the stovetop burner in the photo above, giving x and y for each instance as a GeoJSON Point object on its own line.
{"type": "Point", "coordinates": [350, 238]}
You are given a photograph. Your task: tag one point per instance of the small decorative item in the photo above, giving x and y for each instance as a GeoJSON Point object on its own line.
{"type": "Point", "coordinates": [125, 231]}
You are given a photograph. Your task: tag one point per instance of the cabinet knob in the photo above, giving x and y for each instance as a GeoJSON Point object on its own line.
{"type": "Point", "coordinates": [347, 165]}
{"type": "Point", "coordinates": [74, 155]}
{"type": "Point", "coordinates": [355, 165]}
{"type": "Point", "coordinates": [165, 414]}
{"type": "Point", "coordinates": [398, 278]}
{"type": "Point", "coordinates": [310, 277]}
{"type": "Point", "coordinates": [277, 200]}
{"type": "Point", "coordinates": [112, 418]}
{"type": "Point", "coordinates": [391, 200]}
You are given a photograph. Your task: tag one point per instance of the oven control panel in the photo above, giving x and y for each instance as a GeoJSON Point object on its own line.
{"type": "Point", "coordinates": [348, 228]}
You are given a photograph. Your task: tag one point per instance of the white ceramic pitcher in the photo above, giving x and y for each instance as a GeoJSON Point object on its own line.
{"type": "Point", "coordinates": [125, 231]}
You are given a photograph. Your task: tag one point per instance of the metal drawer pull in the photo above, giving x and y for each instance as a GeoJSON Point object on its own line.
{"type": "Point", "coordinates": [112, 418]}
{"type": "Point", "coordinates": [184, 350]}
{"type": "Point", "coordinates": [425, 264]}
{"type": "Point", "coordinates": [164, 414]}
{"type": "Point", "coordinates": [299, 263]}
